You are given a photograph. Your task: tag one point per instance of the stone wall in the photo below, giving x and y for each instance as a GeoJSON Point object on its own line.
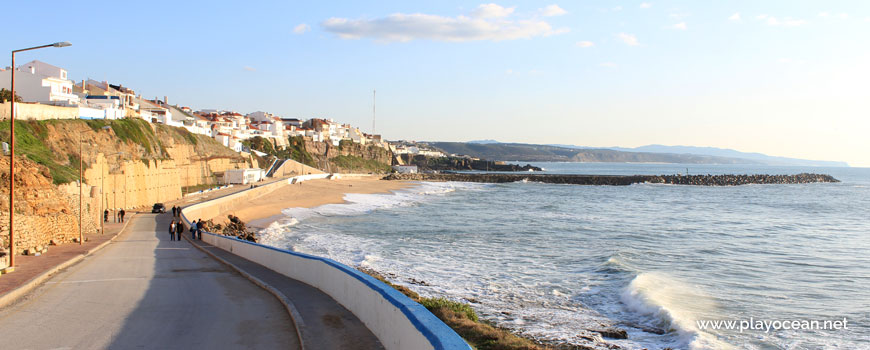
{"type": "Point", "coordinates": [36, 111]}
{"type": "Point", "coordinates": [43, 212]}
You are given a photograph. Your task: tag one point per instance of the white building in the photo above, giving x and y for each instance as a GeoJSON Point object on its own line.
{"type": "Point", "coordinates": [41, 82]}
{"type": "Point", "coordinates": [243, 176]}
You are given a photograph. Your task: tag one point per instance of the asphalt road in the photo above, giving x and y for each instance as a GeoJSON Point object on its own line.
{"type": "Point", "coordinates": [144, 291]}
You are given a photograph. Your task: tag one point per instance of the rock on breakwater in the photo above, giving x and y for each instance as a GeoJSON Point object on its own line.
{"type": "Point", "coordinates": [622, 180]}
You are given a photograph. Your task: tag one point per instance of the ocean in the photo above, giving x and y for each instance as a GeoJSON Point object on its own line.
{"type": "Point", "coordinates": [662, 262]}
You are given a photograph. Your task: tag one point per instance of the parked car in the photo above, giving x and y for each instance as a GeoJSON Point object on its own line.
{"type": "Point", "coordinates": [158, 208]}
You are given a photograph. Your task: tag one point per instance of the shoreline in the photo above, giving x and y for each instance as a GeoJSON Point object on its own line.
{"type": "Point", "coordinates": [267, 209]}
{"type": "Point", "coordinates": [313, 193]}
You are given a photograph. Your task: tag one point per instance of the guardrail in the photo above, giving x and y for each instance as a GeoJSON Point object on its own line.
{"type": "Point", "coordinates": [397, 321]}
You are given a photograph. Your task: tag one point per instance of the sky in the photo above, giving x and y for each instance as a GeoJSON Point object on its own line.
{"type": "Point", "coordinates": [786, 78]}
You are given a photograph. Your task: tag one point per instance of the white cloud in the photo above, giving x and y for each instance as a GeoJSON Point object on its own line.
{"type": "Point", "coordinates": [406, 27]}
{"type": "Point", "coordinates": [826, 14]}
{"type": "Point", "coordinates": [608, 65]}
{"type": "Point", "coordinates": [302, 28]}
{"type": "Point", "coordinates": [679, 26]}
{"type": "Point", "coordinates": [678, 15]}
{"type": "Point", "coordinates": [585, 44]}
{"type": "Point", "coordinates": [492, 11]}
{"type": "Point", "coordinates": [735, 17]}
{"type": "Point", "coordinates": [509, 72]}
{"type": "Point", "coordinates": [249, 69]}
{"type": "Point", "coordinates": [552, 10]}
{"type": "Point", "coordinates": [785, 22]}
{"type": "Point", "coordinates": [645, 5]}
{"type": "Point", "coordinates": [617, 8]}
{"type": "Point", "coordinates": [628, 39]}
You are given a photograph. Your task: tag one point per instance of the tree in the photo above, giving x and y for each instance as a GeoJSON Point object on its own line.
{"type": "Point", "coordinates": [6, 95]}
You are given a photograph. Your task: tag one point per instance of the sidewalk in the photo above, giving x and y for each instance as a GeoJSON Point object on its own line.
{"type": "Point", "coordinates": [323, 322]}
{"type": "Point", "coordinates": [28, 267]}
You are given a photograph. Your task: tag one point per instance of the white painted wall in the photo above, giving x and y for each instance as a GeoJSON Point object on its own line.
{"type": "Point", "coordinates": [397, 321]}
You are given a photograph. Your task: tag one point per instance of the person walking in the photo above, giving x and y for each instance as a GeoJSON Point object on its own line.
{"type": "Point", "coordinates": [173, 211]}
{"type": "Point", "coordinates": [193, 230]}
{"type": "Point", "coordinates": [179, 229]}
{"type": "Point", "coordinates": [199, 229]}
{"type": "Point", "coordinates": [121, 214]}
{"type": "Point", "coordinates": [106, 215]}
{"type": "Point", "coordinates": [172, 230]}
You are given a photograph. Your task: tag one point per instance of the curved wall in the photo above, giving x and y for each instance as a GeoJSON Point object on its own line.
{"type": "Point", "coordinates": [398, 322]}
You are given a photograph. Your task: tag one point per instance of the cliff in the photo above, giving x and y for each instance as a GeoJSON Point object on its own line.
{"type": "Point", "coordinates": [347, 157]}
{"type": "Point", "coordinates": [127, 164]}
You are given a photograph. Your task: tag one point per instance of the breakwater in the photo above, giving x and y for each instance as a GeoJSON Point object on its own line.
{"type": "Point", "coordinates": [621, 180]}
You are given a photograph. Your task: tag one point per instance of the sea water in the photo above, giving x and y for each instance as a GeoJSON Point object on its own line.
{"type": "Point", "coordinates": [556, 261]}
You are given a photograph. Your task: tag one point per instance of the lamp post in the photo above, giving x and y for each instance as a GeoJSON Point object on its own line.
{"type": "Point", "coordinates": [12, 149]}
{"type": "Point", "coordinates": [81, 188]}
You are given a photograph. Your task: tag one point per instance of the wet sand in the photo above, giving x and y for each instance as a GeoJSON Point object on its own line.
{"type": "Point", "coordinates": [309, 194]}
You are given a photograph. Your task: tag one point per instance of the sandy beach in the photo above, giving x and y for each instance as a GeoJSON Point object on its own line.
{"type": "Point", "coordinates": [309, 194]}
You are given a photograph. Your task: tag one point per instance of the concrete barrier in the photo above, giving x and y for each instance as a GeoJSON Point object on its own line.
{"type": "Point", "coordinates": [397, 321]}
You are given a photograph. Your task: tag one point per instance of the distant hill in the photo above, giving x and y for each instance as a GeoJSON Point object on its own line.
{"type": "Point", "coordinates": [547, 153]}
{"type": "Point", "coordinates": [494, 150]}
{"type": "Point", "coordinates": [723, 152]}
{"type": "Point", "coordinates": [484, 141]}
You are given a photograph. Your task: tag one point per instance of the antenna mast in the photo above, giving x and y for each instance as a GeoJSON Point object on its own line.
{"type": "Point", "coordinates": [374, 105]}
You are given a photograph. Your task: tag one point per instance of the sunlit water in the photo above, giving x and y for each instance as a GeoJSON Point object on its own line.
{"type": "Point", "coordinates": [552, 261]}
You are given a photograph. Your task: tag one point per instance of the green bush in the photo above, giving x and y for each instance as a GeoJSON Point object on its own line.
{"type": "Point", "coordinates": [455, 306]}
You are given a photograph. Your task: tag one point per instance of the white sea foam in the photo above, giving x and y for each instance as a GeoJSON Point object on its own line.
{"type": "Point", "coordinates": [279, 234]}
{"type": "Point", "coordinates": [359, 203]}
{"type": "Point", "coordinates": [673, 306]}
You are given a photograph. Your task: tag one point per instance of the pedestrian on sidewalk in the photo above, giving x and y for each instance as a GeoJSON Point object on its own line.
{"type": "Point", "coordinates": [172, 230]}
{"type": "Point", "coordinates": [179, 229]}
{"type": "Point", "coordinates": [121, 214]}
{"type": "Point", "coordinates": [193, 230]}
{"type": "Point", "coordinates": [106, 215]}
{"type": "Point", "coordinates": [199, 230]}
{"type": "Point", "coordinates": [173, 211]}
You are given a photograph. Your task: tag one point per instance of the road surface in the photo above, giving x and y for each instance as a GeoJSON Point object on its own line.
{"type": "Point", "coordinates": [145, 291]}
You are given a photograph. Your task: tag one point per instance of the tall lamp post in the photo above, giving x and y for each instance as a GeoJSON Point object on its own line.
{"type": "Point", "coordinates": [12, 149]}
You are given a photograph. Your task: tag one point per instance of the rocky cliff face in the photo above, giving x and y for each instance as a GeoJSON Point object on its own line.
{"type": "Point", "coordinates": [349, 157]}
{"type": "Point", "coordinates": [127, 164]}
{"type": "Point", "coordinates": [43, 212]}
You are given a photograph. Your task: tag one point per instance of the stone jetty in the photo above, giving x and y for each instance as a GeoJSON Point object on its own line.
{"type": "Point", "coordinates": [620, 180]}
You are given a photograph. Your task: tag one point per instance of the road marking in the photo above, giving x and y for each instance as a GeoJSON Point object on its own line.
{"type": "Point", "coordinates": [101, 280]}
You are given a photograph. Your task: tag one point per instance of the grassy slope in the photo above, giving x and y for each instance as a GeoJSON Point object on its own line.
{"type": "Point", "coordinates": [29, 137]}
{"type": "Point", "coordinates": [32, 140]}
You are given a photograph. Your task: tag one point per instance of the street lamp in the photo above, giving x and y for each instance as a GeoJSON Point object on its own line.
{"type": "Point", "coordinates": [12, 150]}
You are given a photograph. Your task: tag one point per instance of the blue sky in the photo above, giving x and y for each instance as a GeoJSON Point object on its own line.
{"type": "Point", "coordinates": [787, 78]}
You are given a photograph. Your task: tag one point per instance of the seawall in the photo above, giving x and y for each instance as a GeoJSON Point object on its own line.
{"type": "Point", "coordinates": [620, 180]}
{"type": "Point", "coordinates": [396, 320]}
